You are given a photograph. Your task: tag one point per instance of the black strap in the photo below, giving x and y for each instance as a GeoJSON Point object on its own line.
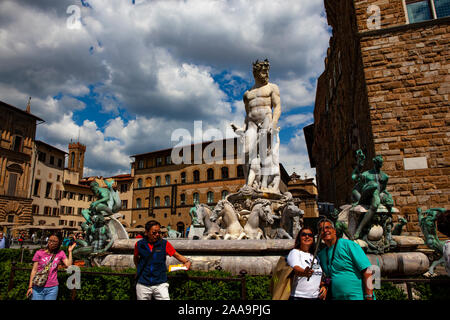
{"type": "Point", "coordinates": [332, 255]}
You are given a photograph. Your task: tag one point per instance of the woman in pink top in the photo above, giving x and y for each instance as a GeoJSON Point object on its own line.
{"type": "Point", "coordinates": [50, 290]}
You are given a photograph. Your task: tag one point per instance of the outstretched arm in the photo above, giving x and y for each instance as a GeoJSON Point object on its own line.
{"type": "Point", "coordinates": [182, 259]}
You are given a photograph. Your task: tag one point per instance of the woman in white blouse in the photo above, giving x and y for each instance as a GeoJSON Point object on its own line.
{"type": "Point", "coordinates": [307, 284]}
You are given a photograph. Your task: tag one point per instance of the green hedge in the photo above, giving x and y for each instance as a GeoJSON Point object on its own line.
{"type": "Point", "coordinates": [16, 254]}
{"type": "Point", "coordinates": [110, 287]}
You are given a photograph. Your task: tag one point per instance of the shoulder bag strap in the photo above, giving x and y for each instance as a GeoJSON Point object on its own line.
{"type": "Point", "coordinates": [332, 255]}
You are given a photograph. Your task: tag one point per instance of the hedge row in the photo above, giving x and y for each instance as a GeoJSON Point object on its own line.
{"type": "Point", "coordinates": [111, 287]}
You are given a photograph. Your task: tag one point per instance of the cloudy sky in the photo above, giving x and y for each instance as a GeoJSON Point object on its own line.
{"type": "Point", "coordinates": [122, 75]}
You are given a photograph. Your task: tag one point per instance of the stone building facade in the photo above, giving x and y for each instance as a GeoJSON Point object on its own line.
{"type": "Point", "coordinates": [165, 191]}
{"type": "Point", "coordinates": [47, 184]}
{"type": "Point", "coordinates": [306, 191]}
{"type": "Point", "coordinates": [385, 90]}
{"type": "Point", "coordinates": [18, 131]}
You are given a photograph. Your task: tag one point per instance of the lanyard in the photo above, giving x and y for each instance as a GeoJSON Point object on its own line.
{"type": "Point", "coordinates": [332, 256]}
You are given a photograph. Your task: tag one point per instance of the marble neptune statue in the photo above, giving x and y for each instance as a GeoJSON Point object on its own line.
{"type": "Point", "coordinates": [260, 132]}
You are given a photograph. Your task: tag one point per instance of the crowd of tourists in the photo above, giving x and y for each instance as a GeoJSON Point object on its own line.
{"type": "Point", "coordinates": [339, 271]}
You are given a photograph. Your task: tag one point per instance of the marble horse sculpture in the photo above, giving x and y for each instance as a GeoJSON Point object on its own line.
{"type": "Point", "coordinates": [261, 212]}
{"type": "Point", "coordinates": [212, 229]}
{"type": "Point", "coordinates": [234, 229]}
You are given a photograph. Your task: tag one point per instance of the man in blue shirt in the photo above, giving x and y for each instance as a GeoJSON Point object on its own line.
{"type": "Point", "coordinates": [346, 264]}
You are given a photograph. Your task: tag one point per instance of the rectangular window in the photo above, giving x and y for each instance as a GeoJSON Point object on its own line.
{"type": "Point", "coordinates": [63, 210]}
{"type": "Point", "coordinates": [12, 184]}
{"type": "Point", "coordinates": [79, 211]}
{"type": "Point", "coordinates": [52, 160]}
{"type": "Point", "coordinates": [141, 164]}
{"type": "Point", "coordinates": [124, 204]}
{"type": "Point", "coordinates": [60, 163]}
{"type": "Point", "coordinates": [36, 187]}
{"type": "Point", "coordinates": [47, 211]}
{"type": "Point", "coordinates": [41, 156]}
{"type": "Point", "coordinates": [442, 8]}
{"type": "Point", "coordinates": [158, 161]}
{"type": "Point", "coordinates": [17, 143]}
{"type": "Point", "coordinates": [123, 188]}
{"type": "Point", "coordinates": [419, 11]}
{"type": "Point", "coordinates": [81, 197]}
{"type": "Point", "coordinates": [48, 189]}
{"type": "Point", "coordinates": [168, 160]}
{"type": "Point", "coordinates": [55, 212]}
{"type": "Point", "coordinates": [423, 10]}
{"type": "Point", "coordinates": [167, 178]}
{"type": "Point", "coordinates": [35, 209]}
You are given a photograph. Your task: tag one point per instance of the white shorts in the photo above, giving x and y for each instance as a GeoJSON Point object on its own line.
{"type": "Point", "coordinates": [159, 291]}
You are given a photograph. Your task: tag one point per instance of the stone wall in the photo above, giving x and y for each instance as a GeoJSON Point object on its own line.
{"type": "Point", "coordinates": [408, 85]}
{"type": "Point", "coordinates": [342, 123]}
{"type": "Point", "coordinates": [392, 13]}
{"type": "Point", "coordinates": [390, 99]}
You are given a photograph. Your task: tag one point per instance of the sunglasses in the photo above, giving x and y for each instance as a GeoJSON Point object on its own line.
{"type": "Point", "coordinates": [156, 232]}
{"type": "Point", "coordinates": [304, 234]}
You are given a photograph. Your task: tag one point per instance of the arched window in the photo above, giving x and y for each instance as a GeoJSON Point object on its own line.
{"type": "Point", "coordinates": [210, 174]}
{"type": "Point", "coordinates": [148, 182]}
{"type": "Point", "coordinates": [167, 201]}
{"type": "Point", "coordinates": [224, 172]}
{"type": "Point", "coordinates": [224, 194]}
{"type": "Point", "coordinates": [139, 183]}
{"type": "Point", "coordinates": [157, 181]}
{"type": "Point", "coordinates": [196, 176]}
{"type": "Point", "coordinates": [240, 171]}
{"type": "Point", "coordinates": [210, 197]}
{"type": "Point", "coordinates": [157, 202]}
{"type": "Point", "coordinates": [182, 199]}
{"type": "Point", "coordinates": [183, 177]}
{"type": "Point", "coordinates": [167, 178]}
{"type": "Point", "coordinates": [196, 198]}
{"type": "Point", "coordinates": [138, 203]}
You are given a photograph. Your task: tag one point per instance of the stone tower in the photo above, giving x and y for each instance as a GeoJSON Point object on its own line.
{"type": "Point", "coordinates": [76, 158]}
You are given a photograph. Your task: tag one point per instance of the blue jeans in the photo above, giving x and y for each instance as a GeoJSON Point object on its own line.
{"type": "Point", "coordinates": [42, 293]}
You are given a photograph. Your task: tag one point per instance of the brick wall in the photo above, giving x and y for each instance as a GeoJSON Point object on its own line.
{"type": "Point", "coordinates": [342, 123]}
{"type": "Point", "coordinates": [408, 84]}
{"type": "Point", "coordinates": [392, 13]}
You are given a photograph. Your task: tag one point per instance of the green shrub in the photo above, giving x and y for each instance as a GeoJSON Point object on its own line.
{"type": "Point", "coordinates": [390, 292]}
{"type": "Point", "coordinates": [433, 291]}
{"type": "Point", "coordinates": [111, 287]}
{"type": "Point", "coordinates": [16, 254]}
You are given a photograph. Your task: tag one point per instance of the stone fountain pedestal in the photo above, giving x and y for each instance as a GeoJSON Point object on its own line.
{"type": "Point", "coordinates": [259, 257]}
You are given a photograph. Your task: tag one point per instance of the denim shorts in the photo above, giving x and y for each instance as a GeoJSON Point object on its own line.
{"type": "Point", "coordinates": [45, 293]}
